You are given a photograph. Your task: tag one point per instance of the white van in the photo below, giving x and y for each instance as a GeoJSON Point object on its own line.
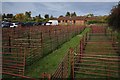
{"type": "Point", "coordinates": [53, 22]}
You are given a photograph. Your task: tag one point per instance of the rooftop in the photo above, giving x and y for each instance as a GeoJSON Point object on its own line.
{"type": "Point", "coordinates": [78, 18]}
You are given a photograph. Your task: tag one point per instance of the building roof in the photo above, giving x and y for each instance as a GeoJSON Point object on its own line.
{"type": "Point", "coordinates": [77, 18]}
{"type": "Point", "coordinates": [72, 18]}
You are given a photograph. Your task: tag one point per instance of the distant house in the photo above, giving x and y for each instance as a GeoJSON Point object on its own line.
{"type": "Point", "coordinates": [76, 20]}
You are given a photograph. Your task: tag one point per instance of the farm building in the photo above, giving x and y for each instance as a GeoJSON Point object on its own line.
{"type": "Point", "coordinates": [75, 20]}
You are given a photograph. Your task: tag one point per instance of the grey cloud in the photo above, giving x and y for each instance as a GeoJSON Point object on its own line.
{"type": "Point", "coordinates": [60, 0]}
{"type": "Point", "coordinates": [58, 8]}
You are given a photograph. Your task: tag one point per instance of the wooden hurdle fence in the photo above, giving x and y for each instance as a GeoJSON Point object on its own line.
{"type": "Point", "coordinates": [27, 45]}
{"type": "Point", "coordinates": [16, 57]}
{"type": "Point", "coordinates": [86, 62]}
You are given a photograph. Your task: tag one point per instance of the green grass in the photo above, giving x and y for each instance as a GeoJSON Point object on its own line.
{"type": "Point", "coordinates": [49, 63]}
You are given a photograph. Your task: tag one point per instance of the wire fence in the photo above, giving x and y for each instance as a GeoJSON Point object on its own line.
{"type": "Point", "coordinates": [23, 46]}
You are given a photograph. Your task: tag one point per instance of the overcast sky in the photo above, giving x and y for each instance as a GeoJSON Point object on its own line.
{"type": "Point", "coordinates": [58, 8]}
{"type": "Point", "coordinates": [59, 0]}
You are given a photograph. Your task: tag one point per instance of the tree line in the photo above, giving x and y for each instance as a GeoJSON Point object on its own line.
{"type": "Point", "coordinates": [114, 17]}
{"type": "Point", "coordinates": [26, 17]}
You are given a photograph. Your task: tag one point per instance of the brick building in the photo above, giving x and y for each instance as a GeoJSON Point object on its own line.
{"type": "Point", "coordinates": [76, 20]}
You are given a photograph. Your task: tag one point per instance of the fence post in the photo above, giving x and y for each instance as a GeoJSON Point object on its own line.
{"type": "Point", "coordinates": [72, 63]}
{"type": "Point", "coordinates": [109, 34]}
{"type": "Point", "coordinates": [87, 36]}
{"type": "Point", "coordinates": [9, 44]}
{"type": "Point", "coordinates": [24, 52]}
{"type": "Point", "coordinates": [29, 32]}
{"type": "Point", "coordinates": [50, 40]}
{"type": "Point", "coordinates": [105, 31]}
{"type": "Point", "coordinates": [57, 30]}
{"type": "Point", "coordinates": [62, 71]}
{"type": "Point", "coordinates": [56, 37]}
{"type": "Point", "coordinates": [112, 36]}
{"type": "Point", "coordinates": [67, 62]}
{"type": "Point", "coordinates": [67, 33]}
{"type": "Point", "coordinates": [41, 42]}
{"type": "Point", "coordinates": [108, 73]}
{"type": "Point", "coordinates": [84, 41]}
{"type": "Point", "coordinates": [81, 49]}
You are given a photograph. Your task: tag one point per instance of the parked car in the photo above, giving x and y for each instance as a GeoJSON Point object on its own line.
{"type": "Point", "coordinates": [48, 23]}
{"type": "Point", "coordinates": [38, 23]}
{"type": "Point", "coordinates": [5, 24]}
{"type": "Point", "coordinates": [14, 25]}
{"type": "Point", "coordinates": [29, 24]}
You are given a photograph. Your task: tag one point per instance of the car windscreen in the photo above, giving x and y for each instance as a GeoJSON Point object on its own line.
{"type": "Point", "coordinates": [11, 24]}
